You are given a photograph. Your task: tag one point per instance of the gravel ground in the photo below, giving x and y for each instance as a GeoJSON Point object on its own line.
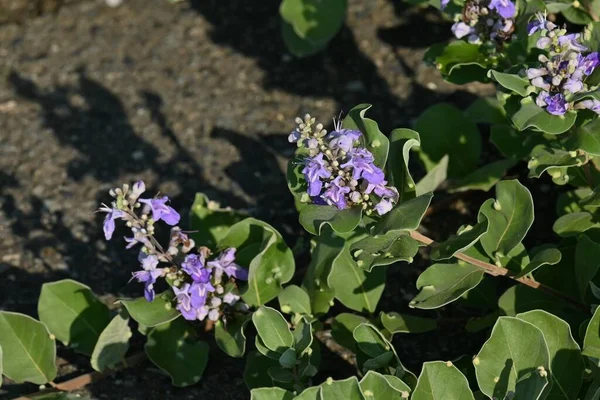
{"type": "Point", "coordinates": [191, 97]}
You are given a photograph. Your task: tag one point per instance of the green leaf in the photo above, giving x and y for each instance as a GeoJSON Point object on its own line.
{"type": "Point", "coordinates": [568, 202]}
{"type": "Point", "coordinates": [441, 284]}
{"type": "Point", "coordinates": [458, 137]}
{"type": "Point", "coordinates": [374, 141]}
{"type": "Point", "coordinates": [370, 341]}
{"type": "Point", "coordinates": [587, 262]}
{"type": "Point", "coordinates": [347, 389]}
{"type": "Point", "coordinates": [354, 287]}
{"type": "Point", "coordinates": [174, 349]}
{"type": "Point", "coordinates": [526, 114]}
{"type": "Point", "coordinates": [520, 298]}
{"type": "Point", "coordinates": [401, 142]}
{"type": "Point", "coordinates": [403, 323]}
{"type": "Point", "coordinates": [398, 384]}
{"type": "Point", "coordinates": [544, 257]}
{"type": "Point", "coordinates": [513, 82]}
{"type": "Point", "coordinates": [586, 138]}
{"type": "Point", "coordinates": [311, 393]}
{"type": "Point", "coordinates": [434, 177]}
{"type": "Point", "coordinates": [288, 359]}
{"type": "Point", "coordinates": [442, 380]}
{"type": "Point", "coordinates": [273, 329]}
{"type": "Point", "coordinates": [150, 314]}
{"type": "Point", "coordinates": [324, 251]}
{"type": "Point", "coordinates": [303, 337]}
{"type": "Point", "coordinates": [313, 20]}
{"type": "Point", "coordinates": [405, 216]}
{"type": "Point", "coordinates": [589, 200]}
{"type": "Point", "coordinates": [486, 110]}
{"type": "Point", "coordinates": [342, 329]}
{"type": "Point", "coordinates": [384, 250]}
{"type": "Point", "coordinates": [0, 366]}
{"type": "Point", "coordinates": [477, 324]}
{"type": "Point", "coordinates": [459, 62]}
{"type": "Point", "coordinates": [314, 217]}
{"type": "Point", "coordinates": [591, 342]}
{"type": "Point", "coordinates": [509, 217]}
{"type": "Point", "coordinates": [209, 222]}
{"type": "Point", "coordinates": [460, 242]}
{"type": "Point", "coordinates": [483, 178]}
{"type": "Point", "coordinates": [375, 386]}
{"type": "Point", "coordinates": [512, 143]}
{"type": "Point", "coordinates": [230, 337]}
{"type": "Point", "coordinates": [514, 349]}
{"type": "Point", "coordinates": [29, 350]}
{"type": "Point", "coordinates": [294, 299]}
{"type": "Point", "coordinates": [577, 16]}
{"type": "Point", "coordinates": [270, 394]}
{"type": "Point", "coordinates": [262, 248]}
{"type": "Point", "coordinates": [113, 343]}
{"type": "Point", "coordinates": [544, 157]}
{"type": "Point", "coordinates": [300, 47]}
{"type": "Point", "coordinates": [566, 363]}
{"type": "Point", "coordinates": [256, 371]}
{"type": "Point", "coordinates": [574, 224]}
{"type": "Point", "coordinates": [73, 314]}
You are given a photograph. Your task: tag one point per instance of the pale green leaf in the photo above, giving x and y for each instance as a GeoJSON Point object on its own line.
{"type": "Point", "coordinates": [544, 257]}
{"type": "Point", "coordinates": [273, 329]}
{"type": "Point", "coordinates": [401, 143]}
{"type": "Point", "coordinates": [566, 363]}
{"type": "Point", "coordinates": [159, 311]}
{"type": "Point", "coordinates": [460, 242]}
{"type": "Point", "coordinates": [434, 177]}
{"type": "Point", "coordinates": [73, 314]}
{"type": "Point", "coordinates": [573, 224]}
{"type": "Point", "coordinates": [372, 138]}
{"type": "Point", "coordinates": [384, 249]}
{"type": "Point", "coordinates": [483, 178]}
{"type": "Point", "coordinates": [375, 386]}
{"type": "Point", "coordinates": [274, 393]}
{"type": "Point", "coordinates": [230, 336]}
{"type": "Point", "coordinates": [440, 381]}
{"type": "Point", "coordinates": [591, 342]}
{"type": "Point", "coordinates": [314, 217]}
{"type": "Point", "coordinates": [514, 349]}
{"type": "Point", "coordinates": [294, 299]}
{"type": "Point", "coordinates": [29, 350]}
{"type": "Point", "coordinates": [403, 323]}
{"type": "Point", "coordinates": [458, 137]}
{"type": "Point", "coordinates": [347, 389]}
{"type": "Point", "coordinates": [405, 216]}
{"type": "Point", "coordinates": [587, 262]}
{"type": "Point", "coordinates": [441, 284]}
{"type": "Point", "coordinates": [174, 349]}
{"type": "Point", "coordinates": [209, 222]}
{"type": "Point", "coordinates": [113, 343]}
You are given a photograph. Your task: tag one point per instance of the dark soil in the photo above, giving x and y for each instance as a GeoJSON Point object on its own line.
{"type": "Point", "coordinates": [191, 97]}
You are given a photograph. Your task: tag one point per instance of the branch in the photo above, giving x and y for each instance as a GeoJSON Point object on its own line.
{"type": "Point", "coordinates": [500, 271]}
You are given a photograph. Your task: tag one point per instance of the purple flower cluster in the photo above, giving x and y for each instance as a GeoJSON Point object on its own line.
{"type": "Point", "coordinates": [339, 171]}
{"type": "Point", "coordinates": [563, 71]}
{"type": "Point", "coordinates": [484, 20]}
{"type": "Point", "coordinates": [202, 288]}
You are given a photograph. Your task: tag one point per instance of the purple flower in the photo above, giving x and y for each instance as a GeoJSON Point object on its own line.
{"type": "Point", "coordinates": [343, 139]}
{"type": "Point", "coordinates": [556, 104]}
{"type": "Point", "coordinates": [314, 171]}
{"type": "Point", "coordinates": [194, 266]}
{"type": "Point", "coordinates": [589, 63]}
{"type": "Point", "coordinates": [573, 85]}
{"type": "Point", "coordinates": [444, 4]}
{"type": "Point", "coordinates": [460, 30]}
{"type": "Point", "coordinates": [109, 220]}
{"type": "Point", "coordinates": [535, 72]}
{"type": "Point", "coordinates": [230, 298]}
{"type": "Point", "coordinates": [541, 83]}
{"type": "Point", "coordinates": [384, 206]}
{"type": "Point", "coordinates": [199, 292]}
{"type": "Point", "coordinates": [540, 23]}
{"type": "Point", "coordinates": [571, 41]}
{"type": "Point", "coordinates": [590, 104]}
{"type": "Point", "coordinates": [543, 42]}
{"type": "Point", "coordinates": [184, 302]}
{"type": "Point", "coordinates": [148, 275]}
{"type": "Point", "coordinates": [542, 99]}
{"type": "Point", "coordinates": [160, 210]}
{"type": "Point", "coordinates": [335, 193]}
{"type": "Point", "coordinates": [505, 8]}
{"type": "Point", "coordinates": [137, 189]}
{"type": "Point", "coordinates": [362, 162]}
{"type": "Point", "coordinates": [225, 262]}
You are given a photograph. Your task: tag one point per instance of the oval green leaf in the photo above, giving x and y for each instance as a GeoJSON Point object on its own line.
{"type": "Point", "coordinates": [113, 343]}
{"type": "Point", "coordinates": [273, 329]}
{"type": "Point", "coordinates": [157, 312]}
{"type": "Point", "coordinates": [441, 380]}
